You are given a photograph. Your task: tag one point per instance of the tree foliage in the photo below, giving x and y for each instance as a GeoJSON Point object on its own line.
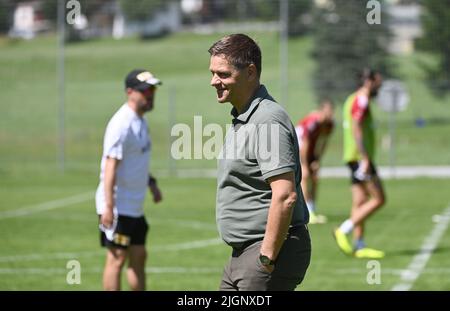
{"type": "Point", "coordinates": [264, 10]}
{"type": "Point", "coordinates": [436, 39]}
{"type": "Point", "coordinates": [140, 10]}
{"type": "Point", "coordinates": [344, 44]}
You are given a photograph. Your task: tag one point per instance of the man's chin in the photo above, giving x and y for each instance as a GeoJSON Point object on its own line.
{"type": "Point", "coordinates": [147, 108]}
{"type": "Point", "coordinates": [222, 99]}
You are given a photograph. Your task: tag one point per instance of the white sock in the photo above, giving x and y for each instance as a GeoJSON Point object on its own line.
{"type": "Point", "coordinates": [347, 226]}
{"type": "Point", "coordinates": [311, 206]}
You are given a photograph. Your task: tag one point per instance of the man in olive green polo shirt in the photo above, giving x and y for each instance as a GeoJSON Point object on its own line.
{"type": "Point", "coordinates": [260, 209]}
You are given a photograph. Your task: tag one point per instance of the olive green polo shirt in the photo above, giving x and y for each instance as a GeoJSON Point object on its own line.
{"type": "Point", "coordinates": [261, 143]}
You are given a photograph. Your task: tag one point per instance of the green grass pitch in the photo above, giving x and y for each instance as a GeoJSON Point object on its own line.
{"type": "Point", "coordinates": [184, 250]}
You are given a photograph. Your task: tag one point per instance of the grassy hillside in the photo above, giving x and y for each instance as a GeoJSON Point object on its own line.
{"type": "Point", "coordinates": [94, 90]}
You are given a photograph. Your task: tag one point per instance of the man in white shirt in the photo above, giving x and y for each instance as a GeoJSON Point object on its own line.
{"type": "Point", "coordinates": [124, 179]}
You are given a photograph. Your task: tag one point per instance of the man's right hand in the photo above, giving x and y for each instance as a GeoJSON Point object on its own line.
{"type": "Point", "coordinates": [107, 218]}
{"type": "Point", "coordinates": [315, 165]}
{"type": "Point", "coordinates": [364, 165]}
{"type": "Point", "coordinates": [306, 171]}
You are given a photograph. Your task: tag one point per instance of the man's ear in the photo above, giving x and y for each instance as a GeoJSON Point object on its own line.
{"type": "Point", "coordinates": [252, 72]}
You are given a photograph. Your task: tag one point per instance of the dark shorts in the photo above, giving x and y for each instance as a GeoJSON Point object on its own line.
{"type": "Point", "coordinates": [355, 178]}
{"type": "Point", "coordinates": [129, 231]}
{"type": "Point", "coordinates": [310, 158]}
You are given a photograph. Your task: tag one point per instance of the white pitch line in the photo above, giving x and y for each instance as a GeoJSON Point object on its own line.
{"type": "Point", "coordinates": [418, 263]}
{"type": "Point", "coordinates": [185, 223]}
{"type": "Point", "coordinates": [83, 197]}
{"type": "Point", "coordinates": [50, 256]}
{"type": "Point", "coordinates": [385, 172]}
{"type": "Point", "coordinates": [384, 271]}
{"type": "Point", "coordinates": [194, 270]}
{"type": "Point", "coordinates": [87, 254]}
{"type": "Point", "coordinates": [188, 245]}
{"type": "Point", "coordinates": [24, 211]}
{"type": "Point", "coordinates": [156, 270]}
{"type": "Point", "coordinates": [391, 271]}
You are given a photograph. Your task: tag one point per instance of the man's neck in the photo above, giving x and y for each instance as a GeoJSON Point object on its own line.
{"type": "Point", "coordinates": [133, 106]}
{"type": "Point", "coordinates": [364, 91]}
{"type": "Point", "coordinates": [242, 104]}
{"type": "Point", "coordinates": [321, 116]}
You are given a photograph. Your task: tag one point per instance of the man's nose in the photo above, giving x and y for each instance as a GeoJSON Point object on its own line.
{"type": "Point", "coordinates": [214, 80]}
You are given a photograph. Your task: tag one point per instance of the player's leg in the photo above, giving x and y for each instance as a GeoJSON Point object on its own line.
{"type": "Point", "coordinates": [306, 189]}
{"type": "Point", "coordinates": [305, 182]}
{"type": "Point", "coordinates": [359, 197]}
{"type": "Point", "coordinates": [137, 254]}
{"type": "Point", "coordinates": [115, 260]}
{"type": "Point", "coordinates": [375, 189]}
{"type": "Point", "coordinates": [309, 186]}
{"type": "Point", "coordinates": [314, 184]}
{"type": "Point", "coordinates": [377, 198]}
{"type": "Point", "coordinates": [136, 267]}
{"type": "Point", "coordinates": [116, 254]}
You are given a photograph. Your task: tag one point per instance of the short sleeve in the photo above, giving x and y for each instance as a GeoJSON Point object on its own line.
{"type": "Point", "coordinates": [311, 127]}
{"type": "Point", "coordinates": [360, 107]}
{"type": "Point", "coordinates": [113, 145]}
{"type": "Point", "coordinates": [275, 148]}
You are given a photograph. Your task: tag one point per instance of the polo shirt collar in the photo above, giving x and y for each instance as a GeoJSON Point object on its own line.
{"type": "Point", "coordinates": [259, 95]}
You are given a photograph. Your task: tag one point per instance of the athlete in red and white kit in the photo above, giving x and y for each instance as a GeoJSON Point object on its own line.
{"type": "Point", "coordinates": [313, 132]}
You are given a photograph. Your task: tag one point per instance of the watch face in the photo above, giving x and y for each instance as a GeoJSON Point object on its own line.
{"type": "Point", "coordinates": [265, 260]}
{"type": "Point", "coordinates": [262, 259]}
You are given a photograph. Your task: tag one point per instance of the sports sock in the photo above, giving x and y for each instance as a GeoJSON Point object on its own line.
{"type": "Point", "coordinates": [347, 226]}
{"type": "Point", "coordinates": [311, 206]}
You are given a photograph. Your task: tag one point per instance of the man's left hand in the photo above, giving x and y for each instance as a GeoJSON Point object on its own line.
{"type": "Point", "coordinates": [156, 193]}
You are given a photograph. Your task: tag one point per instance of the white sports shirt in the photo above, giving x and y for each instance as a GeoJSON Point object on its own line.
{"type": "Point", "coordinates": [126, 139]}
